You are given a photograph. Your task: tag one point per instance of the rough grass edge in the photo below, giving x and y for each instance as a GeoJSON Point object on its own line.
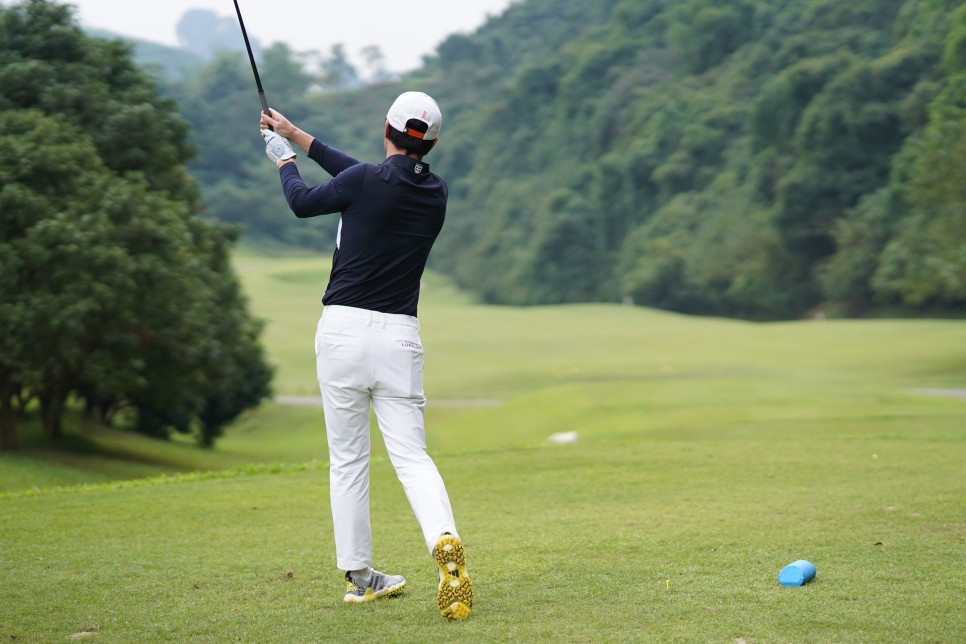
{"type": "Point", "coordinates": [165, 479]}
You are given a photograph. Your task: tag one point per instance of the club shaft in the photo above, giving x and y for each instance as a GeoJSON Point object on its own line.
{"type": "Point", "coordinates": [251, 58]}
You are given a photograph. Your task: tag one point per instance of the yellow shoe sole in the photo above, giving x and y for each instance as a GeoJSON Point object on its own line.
{"type": "Point", "coordinates": [455, 594]}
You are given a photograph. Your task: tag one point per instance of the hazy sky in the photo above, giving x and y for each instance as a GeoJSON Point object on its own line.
{"type": "Point", "coordinates": [306, 24]}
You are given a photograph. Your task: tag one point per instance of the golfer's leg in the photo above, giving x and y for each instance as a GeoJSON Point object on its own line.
{"type": "Point", "coordinates": [346, 402]}
{"type": "Point", "coordinates": [399, 404]}
{"type": "Point", "coordinates": [401, 422]}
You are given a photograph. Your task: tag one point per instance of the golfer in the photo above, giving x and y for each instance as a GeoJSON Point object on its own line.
{"type": "Point", "coordinates": [367, 346]}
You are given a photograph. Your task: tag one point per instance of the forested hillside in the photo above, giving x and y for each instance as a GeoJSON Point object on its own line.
{"type": "Point", "coordinates": [738, 158]}
{"type": "Point", "coordinates": [754, 158]}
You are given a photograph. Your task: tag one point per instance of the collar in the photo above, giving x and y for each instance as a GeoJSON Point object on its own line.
{"type": "Point", "coordinates": [409, 163]}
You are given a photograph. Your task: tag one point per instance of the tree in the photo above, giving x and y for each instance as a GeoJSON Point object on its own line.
{"type": "Point", "coordinates": [336, 70]}
{"type": "Point", "coordinates": [925, 263]}
{"type": "Point", "coordinates": [903, 245]}
{"type": "Point", "coordinates": [49, 234]}
{"type": "Point", "coordinates": [564, 252]}
{"type": "Point", "coordinates": [111, 288]}
{"type": "Point", "coordinates": [238, 185]}
{"type": "Point", "coordinates": [289, 78]}
{"type": "Point", "coordinates": [375, 64]}
{"type": "Point", "coordinates": [237, 375]}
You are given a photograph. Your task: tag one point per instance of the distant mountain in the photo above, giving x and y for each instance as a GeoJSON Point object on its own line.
{"type": "Point", "coordinates": [205, 33]}
{"type": "Point", "coordinates": [202, 34]}
{"type": "Point", "coordinates": [170, 63]}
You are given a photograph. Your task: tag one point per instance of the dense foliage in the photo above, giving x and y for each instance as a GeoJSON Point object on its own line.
{"type": "Point", "coordinates": [113, 292]}
{"type": "Point", "coordinates": [754, 158]}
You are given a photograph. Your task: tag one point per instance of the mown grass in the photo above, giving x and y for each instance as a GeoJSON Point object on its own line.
{"type": "Point", "coordinates": [646, 538]}
{"type": "Point", "coordinates": [711, 453]}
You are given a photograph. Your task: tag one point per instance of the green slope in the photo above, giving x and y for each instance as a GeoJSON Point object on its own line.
{"type": "Point", "coordinates": [501, 377]}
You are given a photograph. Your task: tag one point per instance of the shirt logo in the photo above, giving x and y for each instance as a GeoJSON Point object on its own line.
{"type": "Point", "coordinates": [419, 168]}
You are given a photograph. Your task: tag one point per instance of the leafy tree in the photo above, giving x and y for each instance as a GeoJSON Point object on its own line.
{"type": "Point", "coordinates": [238, 185]}
{"type": "Point", "coordinates": [903, 245]}
{"type": "Point", "coordinates": [47, 63]}
{"type": "Point", "coordinates": [925, 263]}
{"type": "Point", "coordinates": [564, 252]}
{"type": "Point", "coordinates": [110, 287]}
{"type": "Point", "coordinates": [290, 80]}
{"type": "Point", "coordinates": [860, 239]}
{"type": "Point", "coordinates": [47, 232]}
{"type": "Point", "coordinates": [336, 70]}
{"type": "Point", "coordinates": [702, 34]}
{"type": "Point", "coordinates": [375, 64]}
{"type": "Point", "coordinates": [845, 141]}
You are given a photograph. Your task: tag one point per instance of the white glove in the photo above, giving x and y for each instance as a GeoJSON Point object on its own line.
{"type": "Point", "coordinates": [277, 147]}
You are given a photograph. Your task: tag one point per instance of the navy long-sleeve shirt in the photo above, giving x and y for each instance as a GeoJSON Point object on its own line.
{"type": "Point", "coordinates": [392, 213]}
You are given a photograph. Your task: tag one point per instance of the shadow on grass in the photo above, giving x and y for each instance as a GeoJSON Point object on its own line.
{"type": "Point", "coordinates": [86, 444]}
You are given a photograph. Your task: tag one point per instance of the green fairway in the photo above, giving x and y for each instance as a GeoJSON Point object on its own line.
{"type": "Point", "coordinates": [710, 454]}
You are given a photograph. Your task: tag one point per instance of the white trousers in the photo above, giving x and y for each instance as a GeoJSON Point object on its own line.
{"type": "Point", "coordinates": [367, 358]}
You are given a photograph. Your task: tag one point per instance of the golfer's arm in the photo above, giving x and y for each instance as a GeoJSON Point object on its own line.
{"type": "Point", "coordinates": [302, 139]}
{"type": "Point", "coordinates": [333, 196]}
{"type": "Point", "coordinates": [332, 160]}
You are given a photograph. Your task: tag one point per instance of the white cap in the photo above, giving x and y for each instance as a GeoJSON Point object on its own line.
{"type": "Point", "coordinates": [416, 105]}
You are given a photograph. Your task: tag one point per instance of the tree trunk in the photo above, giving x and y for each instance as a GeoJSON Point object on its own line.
{"type": "Point", "coordinates": [8, 422]}
{"type": "Point", "coordinates": [51, 413]}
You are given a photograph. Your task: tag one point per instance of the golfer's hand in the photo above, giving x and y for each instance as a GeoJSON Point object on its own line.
{"type": "Point", "coordinates": [278, 121]}
{"type": "Point", "coordinates": [285, 127]}
{"type": "Point", "coordinates": [277, 147]}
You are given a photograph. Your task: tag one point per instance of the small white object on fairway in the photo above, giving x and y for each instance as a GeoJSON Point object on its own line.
{"type": "Point", "coordinates": [563, 438]}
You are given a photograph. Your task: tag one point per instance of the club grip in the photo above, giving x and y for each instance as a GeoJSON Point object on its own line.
{"type": "Point", "coordinates": [264, 101]}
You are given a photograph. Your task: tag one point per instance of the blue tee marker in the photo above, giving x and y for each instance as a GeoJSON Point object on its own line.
{"type": "Point", "coordinates": [797, 573]}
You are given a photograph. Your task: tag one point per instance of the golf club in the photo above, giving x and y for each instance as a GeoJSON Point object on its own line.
{"type": "Point", "coordinates": [251, 57]}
